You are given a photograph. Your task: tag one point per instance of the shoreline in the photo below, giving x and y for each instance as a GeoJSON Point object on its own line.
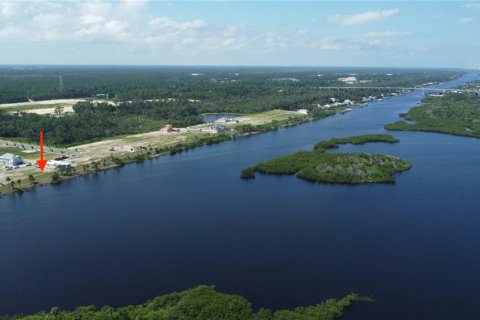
{"type": "Point", "coordinates": [239, 130]}
{"type": "Point", "coordinates": [120, 160]}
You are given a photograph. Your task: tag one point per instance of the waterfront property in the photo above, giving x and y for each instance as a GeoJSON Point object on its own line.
{"type": "Point", "coordinates": [10, 159]}
{"type": "Point", "coordinates": [54, 164]}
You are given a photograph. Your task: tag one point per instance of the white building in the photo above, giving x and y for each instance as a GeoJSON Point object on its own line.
{"type": "Point", "coordinates": [53, 164]}
{"type": "Point", "coordinates": [348, 80]}
{"type": "Point", "coordinates": [9, 159]}
{"type": "Point", "coordinates": [216, 129]}
{"type": "Point", "coordinates": [226, 120]}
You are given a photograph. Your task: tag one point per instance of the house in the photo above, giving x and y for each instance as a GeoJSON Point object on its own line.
{"type": "Point", "coordinates": [348, 80]}
{"type": "Point", "coordinates": [169, 128]}
{"type": "Point", "coordinates": [58, 164]}
{"type": "Point", "coordinates": [217, 129]}
{"type": "Point", "coordinates": [9, 159]}
{"type": "Point", "coordinates": [226, 120]}
{"type": "Point", "coordinates": [302, 111]}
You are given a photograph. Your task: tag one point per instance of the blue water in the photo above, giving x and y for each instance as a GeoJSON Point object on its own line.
{"type": "Point", "coordinates": [126, 235]}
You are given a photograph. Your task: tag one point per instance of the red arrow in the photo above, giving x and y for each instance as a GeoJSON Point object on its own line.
{"type": "Point", "coordinates": [41, 163]}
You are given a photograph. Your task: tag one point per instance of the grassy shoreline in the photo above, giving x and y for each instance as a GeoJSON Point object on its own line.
{"type": "Point", "coordinates": [120, 160]}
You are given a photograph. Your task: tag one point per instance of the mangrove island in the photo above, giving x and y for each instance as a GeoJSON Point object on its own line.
{"type": "Point", "coordinates": [341, 168]}
{"type": "Point", "coordinates": [453, 113]}
{"type": "Point", "coordinates": [201, 303]}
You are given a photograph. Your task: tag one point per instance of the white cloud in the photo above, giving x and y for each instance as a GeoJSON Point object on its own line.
{"type": "Point", "coordinates": [363, 17]}
{"type": "Point", "coordinates": [465, 20]}
{"type": "Point", "coordinates": [11, 32]}
{"type": "Point", "coordinates": [168, 23]}
{"type": "Point", "coordinates": [6, 9]}
{"type": "Point", "coordinates": [91, 19]}
{"type": "Point", "coordinates": [75, 28]}
{"type": "Point", "coordinates": [47, 20]}
{"type": "Point", "coordinates": [386, 34]}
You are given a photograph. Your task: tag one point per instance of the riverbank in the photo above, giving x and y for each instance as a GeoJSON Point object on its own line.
{"type": "Point", "coordinates": [117, 151]}
{"type": "Point", "coordinates": [456, 114]}
{"type": "Point", "coordinates": [99, 156]}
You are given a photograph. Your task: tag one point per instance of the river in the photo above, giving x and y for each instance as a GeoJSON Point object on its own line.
{"type": "Point", "coordinates": [126, 235]}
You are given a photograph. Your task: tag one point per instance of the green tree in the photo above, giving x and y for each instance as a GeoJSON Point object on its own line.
{"type": "Point", "coordinates": [56, 178]}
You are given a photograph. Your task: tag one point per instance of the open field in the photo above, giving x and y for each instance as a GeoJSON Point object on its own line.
{"type": "Point", "coordinates": [41, 103]}
{"type": "Point", "coordinates": [267, 117]}
{"type": "Point", "coordinates": [46, 106]}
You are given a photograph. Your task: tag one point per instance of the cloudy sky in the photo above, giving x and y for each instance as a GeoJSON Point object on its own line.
{"type": "Point", "coordinates": [340, 33]}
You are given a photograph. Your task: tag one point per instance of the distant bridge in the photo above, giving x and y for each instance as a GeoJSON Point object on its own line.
{"type": "Point", "coordinates": [390, 89]}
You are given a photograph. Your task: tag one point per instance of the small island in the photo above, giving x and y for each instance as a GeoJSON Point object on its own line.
{"type": "Point", "coordinates": [453, 113]}
{"type": "Point", "coordinates": [202, 303]}
{"type": "Point", "coordinates": [340, 168]}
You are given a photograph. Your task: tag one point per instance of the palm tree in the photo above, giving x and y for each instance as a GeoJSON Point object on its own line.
{"type": "Point", "coordinates": [31, 178]}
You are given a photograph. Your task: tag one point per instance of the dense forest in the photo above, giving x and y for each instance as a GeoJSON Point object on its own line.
{"type": "Point", "coordinates": [457, 114]}
{"type": "Point", "coordinates": [142, 99]}
{"type": "Point", "coordinates": [200, 303]}
{"type": "Point", "coordinates": [215, 84]}
{"type": "Point", "coordinates": [91, 121]}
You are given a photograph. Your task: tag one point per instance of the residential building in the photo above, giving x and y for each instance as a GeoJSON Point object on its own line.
{"type": "Point", "coordinates": [10, 159]}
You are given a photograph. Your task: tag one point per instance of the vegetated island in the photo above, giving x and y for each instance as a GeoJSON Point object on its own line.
{"type": "Point", "coordinates": [455, 113]}
{"type": "Point", "coordinates": [201, 303]}
{"type": "Point", "coordinates": [341, 168]}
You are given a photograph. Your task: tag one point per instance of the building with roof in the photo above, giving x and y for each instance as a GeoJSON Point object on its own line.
{"type": "Point", "coordinates": [169, 128]}
{"type": "Point", "coordinates": [54, 164]}
{"type": "Point", "coordinates": [10, 159]}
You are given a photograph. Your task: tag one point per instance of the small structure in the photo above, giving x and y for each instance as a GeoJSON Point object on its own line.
{"type": "Point", "coordinates": [169, 128]}
{"type": "Point", "coordinates": [10, 159]}
{"type": "Point", "coordinates": [348, 80]}
{"type": "Point", "coordinates": [217, 129]}
{"type": "Point", "coordinates": [54, 164]}
{"type": "Point", "coordinates": [302, 111]}
{"type": "Point", "coordinates": [226, 120]}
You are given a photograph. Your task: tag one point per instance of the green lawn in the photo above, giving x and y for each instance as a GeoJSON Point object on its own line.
{"type": "Point", "coordinates": [18, 151]}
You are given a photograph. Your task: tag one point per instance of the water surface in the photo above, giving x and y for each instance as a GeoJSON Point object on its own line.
{"type": "Point", "coordinates": [126, 235]}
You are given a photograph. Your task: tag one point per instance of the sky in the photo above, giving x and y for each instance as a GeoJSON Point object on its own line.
{"type": "Point", "coordinates": [285, 33]}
